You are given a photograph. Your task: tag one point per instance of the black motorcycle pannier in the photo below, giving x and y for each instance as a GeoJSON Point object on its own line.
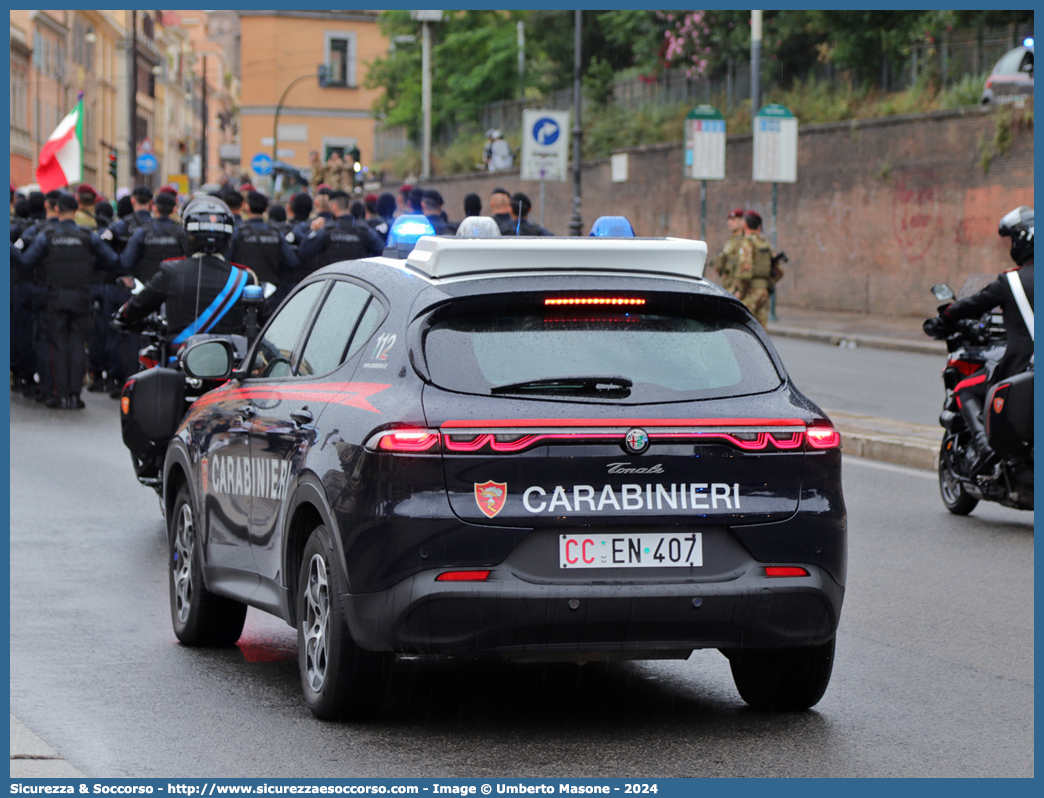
{"type": "Point", "coordinates": [151, 408]}
{"type": "Point", "coordinates": [1009, 415]}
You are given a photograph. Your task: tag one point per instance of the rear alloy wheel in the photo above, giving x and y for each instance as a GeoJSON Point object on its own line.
{"type": "Point", "coordinates": [200, 618]}
{"type": "Point", "coordinates": [957, 500]}
{"type": "Point", "coordinates": [783, 679]}
{"type": "Point", "coordinates": [339, 679]}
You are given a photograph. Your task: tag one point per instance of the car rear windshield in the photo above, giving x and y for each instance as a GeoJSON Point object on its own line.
{"type": "Point", "coordinates": [626, 357]}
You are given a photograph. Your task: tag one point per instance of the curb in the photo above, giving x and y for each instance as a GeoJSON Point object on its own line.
{"type": "Point", "coordinates": [890, 450]}
{"type": "Point", "coordinates": [32, 758]}
{"type": "Point", "coordinates": [869, 341]}
{"type": "Point", "coordinates": [898, 442]}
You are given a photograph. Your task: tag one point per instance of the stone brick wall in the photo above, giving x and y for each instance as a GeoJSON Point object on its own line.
{"type": "Point", "coordinates": [882, 209]}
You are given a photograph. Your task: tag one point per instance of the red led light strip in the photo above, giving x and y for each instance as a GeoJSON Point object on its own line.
{"type": "Point", "coordinates": [594, 301]}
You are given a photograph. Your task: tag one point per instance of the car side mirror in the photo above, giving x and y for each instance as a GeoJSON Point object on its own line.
{"type": "Point", "coordinates": [942, 292]}
{"type": "Point", "coordinates": [208, 360]}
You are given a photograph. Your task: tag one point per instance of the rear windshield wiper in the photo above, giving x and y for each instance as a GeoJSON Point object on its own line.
{"type": "Point", "coordinates": [568, 385]}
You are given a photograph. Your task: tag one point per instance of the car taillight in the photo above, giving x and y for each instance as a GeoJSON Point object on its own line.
{"type": "Point", "coordinates": [784, 570]}
{"type": "Point", "coordinates": [462, 576]}
{"type": "Point", "coordinates": [823, 437]}
{"type": "Point", "coordinates": [412, 440]}
{"type": "Point", "coordinates": [594, 300]}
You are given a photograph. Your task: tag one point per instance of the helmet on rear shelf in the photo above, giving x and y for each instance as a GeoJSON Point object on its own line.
{"type": "Point", "coordinates": [1018, 226]}
{"type": "Point", "coordinates": [208, 222]}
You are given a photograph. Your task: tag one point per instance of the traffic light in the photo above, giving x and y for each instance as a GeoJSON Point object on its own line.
{"type": "Point", "coordinates": [324, 76]}
{"type": "Point", "coordinates": [112, 163]}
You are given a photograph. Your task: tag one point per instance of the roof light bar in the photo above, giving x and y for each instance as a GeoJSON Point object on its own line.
{"type": "Point", "coordinates": [592, 300]}
{"type": "Point", "coordinates": [440, 257]}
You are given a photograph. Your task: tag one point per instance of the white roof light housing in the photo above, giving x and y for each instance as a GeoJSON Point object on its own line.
{"type": "Point", "coordinates": [440, 257]}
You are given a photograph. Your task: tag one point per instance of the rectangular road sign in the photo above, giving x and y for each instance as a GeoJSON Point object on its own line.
{"type": "Point", "coordinates": [545, 145]}
{"type": "Point", "coordinates": [775, 145]}
{"type": "Point", "coordinates": [180, 182]}
{"type": "Point", "coordinates": [705, 144]}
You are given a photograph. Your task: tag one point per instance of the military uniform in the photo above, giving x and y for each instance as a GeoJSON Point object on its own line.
{"type": "Point", "coordinates": [68, 254]}
{"type": "Point", "coordinates": [261, 248]}
{"type": "Point", "coordinates": [753, 275]}
{"type": "Point", "coordinates": [340, 240]}
{"type": "Point", "coordinates": [726, 263]}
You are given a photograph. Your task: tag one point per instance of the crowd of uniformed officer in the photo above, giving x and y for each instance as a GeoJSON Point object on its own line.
{"type": "Point", "coordinates": [74, 266]}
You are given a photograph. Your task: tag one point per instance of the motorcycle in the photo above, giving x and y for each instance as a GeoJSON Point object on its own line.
{"type": "Point", "coordinates": [156, 399]}
{"type": "Point", "coordinates": [974, 345]}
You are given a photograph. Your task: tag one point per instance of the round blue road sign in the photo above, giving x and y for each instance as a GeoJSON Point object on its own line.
{"type": "Point", "coordinates": [146, 163]}
{"type": "Point", "coordinates": [261, 163]}
{"type": "Point", "coordinates": [546, 130]}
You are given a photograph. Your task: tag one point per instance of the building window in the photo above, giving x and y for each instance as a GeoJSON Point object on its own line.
{"type": "Point", "coordinates": [340, 58]}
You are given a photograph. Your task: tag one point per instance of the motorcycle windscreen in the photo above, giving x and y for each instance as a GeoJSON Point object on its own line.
{"type": "Point", "coordinates": [611, 417]}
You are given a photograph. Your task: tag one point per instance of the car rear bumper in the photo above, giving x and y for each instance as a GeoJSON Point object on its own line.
{"type": "Point", "coordinates": [510, 616]}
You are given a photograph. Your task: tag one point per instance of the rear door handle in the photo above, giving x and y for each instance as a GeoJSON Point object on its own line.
{"type": "Point", "coordinates": [246, 411]}
{"type": "Point", "coordinates": [302, 417]}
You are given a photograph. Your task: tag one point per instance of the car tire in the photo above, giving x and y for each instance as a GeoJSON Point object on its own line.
{"type": "Point", "coordinates": [340, 680]}
{"type": "Point", "coordinates": [957, 500]}
{"type": "Point", "coordinates": [200, 617]}
{"type": "Point", "coordinates": [783, 679]}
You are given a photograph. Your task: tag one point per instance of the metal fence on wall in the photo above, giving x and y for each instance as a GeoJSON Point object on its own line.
{"type": "Point", "coordinates": [957, 55]}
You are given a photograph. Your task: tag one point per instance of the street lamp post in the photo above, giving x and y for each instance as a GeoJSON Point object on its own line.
{"type": "Point", "coordinates": [576, 222]}
{"type": "Point", "coordinates": [279, 110]}
{"type": "Point", "coordinates": [424, 17]}
{"type": "Point", "coordinates": [755, 63]}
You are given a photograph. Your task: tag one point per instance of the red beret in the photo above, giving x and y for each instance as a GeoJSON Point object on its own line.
{"type": "Point", "coordinates": [370, 198]}
{"type": "Point", "coordinates": [167, 190]}
{"type": "Point", "coordinates": [86, 188]}
{"type": "Point", "coordinates": [737, 213]}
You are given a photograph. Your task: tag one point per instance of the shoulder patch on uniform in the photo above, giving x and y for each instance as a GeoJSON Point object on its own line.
{"type": "Point", "coordinates": [20, 243]}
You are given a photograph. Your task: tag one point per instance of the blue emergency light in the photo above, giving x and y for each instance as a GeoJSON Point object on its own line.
{"type": "Point", "coordinates": [404, 234]}
{"type": "Point", "coordinates": [1028, 42]}
{"type": "Point", "coordinates": [612, 226]}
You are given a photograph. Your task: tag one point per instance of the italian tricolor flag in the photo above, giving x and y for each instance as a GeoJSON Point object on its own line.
{"type": "Point", "coordinates": [61, 160]}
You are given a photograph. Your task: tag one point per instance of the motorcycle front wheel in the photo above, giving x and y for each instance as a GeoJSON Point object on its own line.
{"type": "Point", "coordinates": [957, 500]}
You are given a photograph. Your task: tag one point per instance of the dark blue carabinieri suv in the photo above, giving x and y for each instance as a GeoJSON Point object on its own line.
{"type": "Point", "coordinates": [542, 448]}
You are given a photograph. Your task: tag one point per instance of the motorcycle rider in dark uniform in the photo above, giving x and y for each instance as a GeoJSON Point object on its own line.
{"type": "Point", "coordinates": [260, 248]}
{"type": "Point", "coordinates": [1009, 290]}
{"type": "Point", "coordinates": [341, 239]}
{"type": "Point", "coordinates": [152, 243]}
{"type": "Point", "coordinates": [201, 290]}
{"type": "Point", "coordinates": [68, 255]}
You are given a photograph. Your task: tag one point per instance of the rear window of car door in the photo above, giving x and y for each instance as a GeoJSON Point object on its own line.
{"type": "Point", "coordinates": [274, 352]}
{"type": "Point", "coordinates": [344, 323]}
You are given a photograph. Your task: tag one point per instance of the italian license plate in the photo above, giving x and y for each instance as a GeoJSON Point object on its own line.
{"type": "Point", "coordinates": [630, 551]}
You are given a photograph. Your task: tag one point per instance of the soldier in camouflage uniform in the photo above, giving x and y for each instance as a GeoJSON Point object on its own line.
{"type": "Point", "coordinates": [726, 261]}
{"type": "Point", "coordinates": [318, 176]}
{"type": "Point", "coordinates": [754, 270]}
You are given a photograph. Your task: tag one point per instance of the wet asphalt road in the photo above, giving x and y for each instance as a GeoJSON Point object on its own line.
{"type": "Point", "coordinates": [905, 386]}
{"type": "Point", "coordinates": [933, 676]}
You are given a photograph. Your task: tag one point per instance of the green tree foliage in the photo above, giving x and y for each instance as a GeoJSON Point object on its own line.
{"type": "Point", "coordinates": [474, 63]}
